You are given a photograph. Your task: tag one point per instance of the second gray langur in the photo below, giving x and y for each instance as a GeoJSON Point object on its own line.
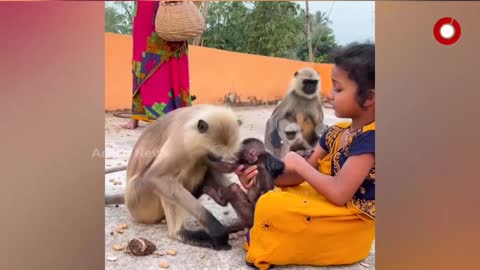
{"type": "Point", "coordinates": [301, 105]}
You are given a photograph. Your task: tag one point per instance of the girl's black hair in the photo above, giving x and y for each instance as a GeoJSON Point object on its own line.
{"type": "Point", "coordinates": [358, 60]}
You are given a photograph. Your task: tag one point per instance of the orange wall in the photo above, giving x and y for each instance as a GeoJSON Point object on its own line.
{"type": "Point", "coordinates": [213, 74]}
{"type": "Point", "coordinates": [118, 71]}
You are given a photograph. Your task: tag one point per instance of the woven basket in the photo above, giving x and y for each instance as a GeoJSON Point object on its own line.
{"type": "Point", "coordinates": [178, 21]}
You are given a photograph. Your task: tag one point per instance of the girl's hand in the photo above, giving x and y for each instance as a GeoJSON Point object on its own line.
{"type": "Point", "coordinates": [247, 175]}
{"type": "Point", "coordinates": [291, 161]}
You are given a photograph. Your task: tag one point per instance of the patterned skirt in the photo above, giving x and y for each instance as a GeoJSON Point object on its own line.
{"type": "Point", "coordinates": [160, 68]}
{"type": "Point", "coordinates": [296, 225]}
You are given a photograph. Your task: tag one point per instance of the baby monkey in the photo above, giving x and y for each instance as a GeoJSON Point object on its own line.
{"type": "Point", "coordinates": [252, 152]}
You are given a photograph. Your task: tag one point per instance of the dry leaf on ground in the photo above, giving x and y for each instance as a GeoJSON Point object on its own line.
{"type": "Point", "coordinates": [118, 247]}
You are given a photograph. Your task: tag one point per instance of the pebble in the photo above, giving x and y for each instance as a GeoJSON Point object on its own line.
{"type": "Point", "coordinates": [164, 265]}
{"type": "Point", "coordinates": [159, 253]}
{"type": "Point", "coordinates": [171, 252]}
{"type": "Point", "coordinates": [122, 226]}
{"type": "Point", "coordinates": [111, 259]}
{"type": "Point", "coordinates": [364, 265]}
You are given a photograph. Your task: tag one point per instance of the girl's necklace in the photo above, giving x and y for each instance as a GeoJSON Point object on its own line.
{"type": "Point", "coordinates": [349, 134]}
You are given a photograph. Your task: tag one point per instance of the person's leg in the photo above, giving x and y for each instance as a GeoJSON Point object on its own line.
{"type": "Point", "coordinates": [141, 34]}
{"type": "Point", "coordinates": [180, 78]}
{"type": "Point", "coordinates": [132, 124]}
{"type": "Point", "coordinates": [138, 112]}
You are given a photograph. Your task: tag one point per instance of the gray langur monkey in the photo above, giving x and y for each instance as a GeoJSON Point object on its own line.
{"type": "Point", "coordinates": [302, 105]}
{"type": "Point", "coordinates": [180, 156]}
{"type": "Point", "coordinates": [295, 139]}
{"type": "Point", "coordinates": [252, 152]}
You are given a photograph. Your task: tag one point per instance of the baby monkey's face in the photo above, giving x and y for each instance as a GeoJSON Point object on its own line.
{"type": "Point", "coordinates": [269, 167]}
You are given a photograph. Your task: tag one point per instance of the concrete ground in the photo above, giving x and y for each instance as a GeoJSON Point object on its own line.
{"type": "Point", "coordinates": [118, 145]}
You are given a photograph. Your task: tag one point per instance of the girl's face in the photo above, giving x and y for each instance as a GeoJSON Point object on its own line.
{"type": "Point", "coordinates": [344, 94]}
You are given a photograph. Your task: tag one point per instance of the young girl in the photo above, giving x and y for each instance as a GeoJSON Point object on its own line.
{"type": "Point", "coordinates": [322, 211]}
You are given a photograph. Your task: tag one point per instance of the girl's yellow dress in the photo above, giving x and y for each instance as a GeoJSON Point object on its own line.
{"type": "Point", "coordinates": [296, 225]}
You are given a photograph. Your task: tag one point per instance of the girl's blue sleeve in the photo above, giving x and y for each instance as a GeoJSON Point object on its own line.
{"type": "Point", "coordinates": [364, 143]}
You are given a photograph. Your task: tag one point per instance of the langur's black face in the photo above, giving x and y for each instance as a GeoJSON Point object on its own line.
{"type": "Point", "coordinates": [309, 86]}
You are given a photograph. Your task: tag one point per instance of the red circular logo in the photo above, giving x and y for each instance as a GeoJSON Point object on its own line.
{"type": "Point", "coordinates": [447, 30]}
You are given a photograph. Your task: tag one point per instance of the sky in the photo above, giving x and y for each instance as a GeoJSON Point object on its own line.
{"type": "Point", "coordinates": [350, 20]}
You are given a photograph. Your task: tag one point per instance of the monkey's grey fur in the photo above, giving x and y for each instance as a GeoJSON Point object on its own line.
{"type": "Point", "coordinates": [303, 97]}
{"type": "Point", "coordinates": [172, 161]}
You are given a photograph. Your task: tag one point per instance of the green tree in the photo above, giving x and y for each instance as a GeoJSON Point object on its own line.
{"type": "Point", "coordinates": [275, 29]}
{"type": "Point", "coordinates": [127, 8]}
{"type": "Point", "coordinates": [113, 20]}
{"type": "Point", "coordinates": [119, 17]}
{"type": "Point", "coordinates": [323, 39]}
{"type": "Point", "coordinates": [265, 28]}
{"type": "Point", "coordinates": [225, 26]}
{"type": "Point", "coordinates": [324, 43]}
{"type": "Point", "coordinates": [320, 18]}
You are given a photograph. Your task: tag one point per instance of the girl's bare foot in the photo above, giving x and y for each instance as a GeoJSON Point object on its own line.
{"type": "Point", "coordinates": [132, 124]}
